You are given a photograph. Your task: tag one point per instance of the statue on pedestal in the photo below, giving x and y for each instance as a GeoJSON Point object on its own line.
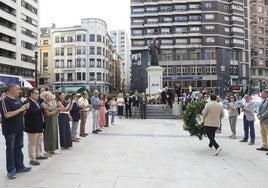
{"type": "Point", "coordinates": [154, 49]}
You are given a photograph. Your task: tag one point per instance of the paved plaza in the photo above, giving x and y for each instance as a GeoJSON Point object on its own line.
{"type": "Point", "coordinates": [151, 153]}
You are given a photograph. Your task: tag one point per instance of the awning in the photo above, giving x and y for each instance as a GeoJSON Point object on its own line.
{"type": "Point", "coordinates": [71, 89]}
{"type": "Point", "coordinates": [28, 84]}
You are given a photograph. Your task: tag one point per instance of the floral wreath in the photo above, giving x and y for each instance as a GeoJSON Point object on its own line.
{"type": "Point", "coordinates": [191, 120]}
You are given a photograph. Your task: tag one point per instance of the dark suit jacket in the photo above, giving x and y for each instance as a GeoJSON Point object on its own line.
{"type": "Point", "coordinates": [34, 118]}
{"type": "Point", "coordinates": [135, 101]}
{"type": "Point", "coordinates": [127, 101]}
{"type": "Point", "coordinates": [143, 101]}
{"type": "Point", "coordinates": [75, 112]}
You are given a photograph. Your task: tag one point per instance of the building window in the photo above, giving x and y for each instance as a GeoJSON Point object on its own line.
{"type": "Point", "coordinates": [209, 16]}
{"type": "Point", "coordinates": [79, 76]}
{"type": "Point", "coordinates": [70, 63]}
{"type": "Point", "coordinates": [91, 38]}
{"type": "Point", "coordinates": [78, 38]}
{"type": "Point", "coordinates": [69, 77]}
{"type": "Point", "coordinates": [137, 32]}
{"type": "Point", "coordinates": [69, 51]}
{"type": "Point", "coordinates": [98, 76]}
{"type": "Point", "coordinates": [92, 50]}
{"type": "Point", "coordinates": [195, 18]}
{"type": "Point", "coordinates": [195, 40]}
{"type": "Point", "coordinates": [98, 38]}
{"type": "Point", "coordinates": [210, 40]}
{"type": "Point", "coordinates": [194, 29]}
{"type": "Point", "coordinates": [208, 5]}
{"type": "Point", "coordinates": [167, 55]}
{"type": "Point", "coordinates": [180, 19]}
{"type": "Point", "coordinates": [165, 30]}
{"type": "Point", "coordinates": [92, 76]}
{"type": "Point", "coordinates": [98, 63]}
{"type": "Point", "coordinates": [210, 28]}
{"type": "Point", "coordinates": [181, 30]}
{"type": "Point", "coordinates": [91, 62]}
{"type": "Point", "coordinates": [226, 18]}
{"type": "Point", "coordinates": [69, 39]}
{"type": "Point", "coordinates": [98, 50]}
{"type": "Point", "coordinates": [227, 30]}
{"type": "Point", "coordinates": [181, 55]}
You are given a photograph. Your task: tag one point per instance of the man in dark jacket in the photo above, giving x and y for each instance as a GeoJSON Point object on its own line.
{"type": "Point", "coordinates": [143, 105]}
{"type": "Point", "coordinates": [34, 126]}
{"type": "Point", "coordinates": [75, 113]}
{"type": "Point", "coordinates": [135, 104]}
{"type": "Point", "coordinates": [128, 106]}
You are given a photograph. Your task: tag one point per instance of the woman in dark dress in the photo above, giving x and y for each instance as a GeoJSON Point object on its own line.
{"type": "Point", "coordinates": [64, 125]}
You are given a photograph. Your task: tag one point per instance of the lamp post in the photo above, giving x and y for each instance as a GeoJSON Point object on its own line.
{"type": "Point", "coordinates": [222, 88]}
{"type": "Point", "coordinates": [36, 49]}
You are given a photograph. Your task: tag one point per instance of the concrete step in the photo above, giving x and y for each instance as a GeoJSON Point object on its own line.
{"type": "Point", "coordinates": [156, 111]}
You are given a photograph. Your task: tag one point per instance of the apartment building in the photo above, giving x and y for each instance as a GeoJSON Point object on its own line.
{"type": "Point", "coordinates": [259, 42]}
{"type": "Point", "coordinates": [46, 68]}
{"type": "Point", "coordinates": [121, 43]}
{"type": "Point", "coordinates": [19, 32]}
{"type": "Point", "coordinates": [81, 56]}
{"type": "Point", "coordinates": [204, 43]}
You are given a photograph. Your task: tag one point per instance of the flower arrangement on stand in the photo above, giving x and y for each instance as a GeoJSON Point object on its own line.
{"type": "Point", "coordinates": [192, 120]}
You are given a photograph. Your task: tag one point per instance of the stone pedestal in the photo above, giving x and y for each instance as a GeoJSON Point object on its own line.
{"type": "Point", "coordinates": [155, 79]}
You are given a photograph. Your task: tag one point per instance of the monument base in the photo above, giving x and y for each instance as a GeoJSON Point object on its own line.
{"type": "Point", "coordinates": [155, 79]}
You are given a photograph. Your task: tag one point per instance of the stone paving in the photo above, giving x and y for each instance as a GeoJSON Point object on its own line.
{"type": "Point", "coordinates": [151, 153]}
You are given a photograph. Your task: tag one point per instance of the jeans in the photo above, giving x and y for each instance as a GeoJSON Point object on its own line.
{"type": "Point", "coordinates": [249, 127]}
{"type": "Point", "coordinates": [74, 129]}
{"type": "Point", "coordinates": [112, 116]}
{"type": "Point", "coordinates": [14, 155]}
{"type": "Point", "coordinates": [232, 121]}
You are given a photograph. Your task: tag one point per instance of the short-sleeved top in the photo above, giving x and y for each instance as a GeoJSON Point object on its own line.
{"type": "Point", "coordinates": [12, 125]}
{"type": "Point", "coordinates": [95, 102]}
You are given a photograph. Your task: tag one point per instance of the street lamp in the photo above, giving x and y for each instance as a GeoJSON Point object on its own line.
{"type": "Point", "coordinates": [35, 49]}
{"type": "Point", "coordinates": [222, 88]}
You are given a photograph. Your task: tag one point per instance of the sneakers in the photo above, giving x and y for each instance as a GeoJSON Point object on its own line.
{"type": "Point", "coordinates": [243, 140]}
{"type": "Point", "coordinates": [34, 162]}
{"type": "Point", "coordinates": [251, 143]}
{"type": "Point", "coordinates": [217, 151]}
{"type": "Point", "coordinates": [11, 175]}
{"type": "Point", "coordinates": [24, 169]}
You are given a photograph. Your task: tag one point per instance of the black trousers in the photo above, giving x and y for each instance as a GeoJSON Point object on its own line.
{"type": "Point", "coordinates": [143, 111]}
{"type": "Point", "coordinates": [210, 131]}
{"type": "Point", "coordinates": [128, 111]}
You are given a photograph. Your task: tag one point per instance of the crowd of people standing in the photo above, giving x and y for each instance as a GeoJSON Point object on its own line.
{"type": "Point", "coordinates": [52, 122]}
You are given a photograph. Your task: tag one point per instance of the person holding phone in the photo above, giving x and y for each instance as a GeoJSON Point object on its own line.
{"type": "Point", "coordinates": [248, 119]}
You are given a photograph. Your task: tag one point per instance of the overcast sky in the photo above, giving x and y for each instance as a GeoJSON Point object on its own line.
{"type": "Point", "coordinates": [64, 13]}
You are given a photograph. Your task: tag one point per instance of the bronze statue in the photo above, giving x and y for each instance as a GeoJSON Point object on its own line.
{"type": "Point", "coordinates": [154, 49]}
